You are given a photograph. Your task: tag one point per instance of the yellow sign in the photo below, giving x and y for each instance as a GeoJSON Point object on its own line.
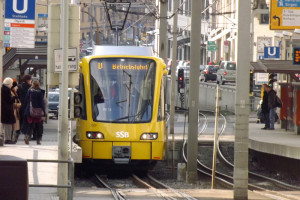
{"type": "Point", "coordinates": [284, 15]}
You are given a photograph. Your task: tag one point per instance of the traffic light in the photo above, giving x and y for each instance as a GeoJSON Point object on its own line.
{"type": "Point", "coordinates": [76, 104]}
{"type": "Point", "coordinates": [272, 79]}
{"type": "Point", "coordinates": [251, 84]}
{"type": "Point", "coordinates": [180, 80]}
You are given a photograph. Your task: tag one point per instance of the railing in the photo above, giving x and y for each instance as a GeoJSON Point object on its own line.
{"type": "Point", "coordinates": [70, 185]}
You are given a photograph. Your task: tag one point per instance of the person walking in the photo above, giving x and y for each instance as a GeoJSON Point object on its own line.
{"type": "Point", "coordinates": [21, 92]}
{"type": "Point", "coordinates": [271, 106]}
{"type": "Point", "coordinates": [265, 108]}
{"type": "Point", "coordinates": [7, 111]}
{"type": "Point", "coordinates": [16, 107]}
{"type": "Point", "coordinates": [35, 97]}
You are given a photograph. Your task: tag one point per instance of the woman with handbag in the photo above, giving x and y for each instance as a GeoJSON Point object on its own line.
{"type": "Point", "coordinates": [16, 106]}
{"type": "Point", "coordinates": [34, 112]}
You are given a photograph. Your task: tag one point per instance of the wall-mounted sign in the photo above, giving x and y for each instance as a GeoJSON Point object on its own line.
{"type": "Point", "coordinates": [19, 23]}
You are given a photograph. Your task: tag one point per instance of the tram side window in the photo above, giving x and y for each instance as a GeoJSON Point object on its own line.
{"type": "Point", "coordinates": [82, 90]}
{"type": "Point", "coordinates": [160, 113]}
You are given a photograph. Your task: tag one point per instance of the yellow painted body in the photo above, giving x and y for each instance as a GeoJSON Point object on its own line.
{"type": "Point", "coordinates": [140, 149]}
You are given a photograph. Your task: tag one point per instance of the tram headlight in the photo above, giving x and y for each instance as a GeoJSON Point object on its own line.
{"type": "Point", "coordinates": [149, 136]}
{"type": "Point", "coordinates": [94, 135]}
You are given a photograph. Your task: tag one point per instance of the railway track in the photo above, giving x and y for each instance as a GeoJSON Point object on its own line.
{"type": "Point", "coordinates": [156, 186]}
{"type": "Point", "coordinates": [227, 180]}
{"type": "Point", "coordinates": [115, 193]}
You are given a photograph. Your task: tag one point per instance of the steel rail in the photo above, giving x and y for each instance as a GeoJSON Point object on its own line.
{"type": "Point", "coordinates": [114, 192]}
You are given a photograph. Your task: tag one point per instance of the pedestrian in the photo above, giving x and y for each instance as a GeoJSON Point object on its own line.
{"type": "Point", "coordinates": [264, 107]}
{"type": "Point", "coordinates": [22, 91]}
{"type": "Point", "coordinates": [220, 61]}
{"type": "Point", "coordinates": [7, 111]}
{"type": "Point", "coordinates": [271, 106]}
{"type": "Point", "coordinates": [34, 96]}
{"type": "Point", "coordinates": [16, 106]}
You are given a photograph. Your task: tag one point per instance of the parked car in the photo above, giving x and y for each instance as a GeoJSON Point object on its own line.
{"type": "Point", "coordinates": [209, 73]}
{"type": "Point", "coordinates": [201, 67]}
{"type": "Point", "coordinates": [227, 72]}
{"type": "Point", "coordinates": [53, 101]}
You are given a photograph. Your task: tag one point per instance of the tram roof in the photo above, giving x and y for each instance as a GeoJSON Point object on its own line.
{"type": "Point", "coordinates": [122, 50]}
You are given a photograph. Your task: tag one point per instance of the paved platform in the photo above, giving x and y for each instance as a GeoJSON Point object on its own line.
{"type": "Point", "coordinates": [46, 173]}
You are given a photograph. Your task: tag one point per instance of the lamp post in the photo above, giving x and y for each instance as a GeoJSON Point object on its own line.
{"type": "Point", "coordinates": [117, 11]}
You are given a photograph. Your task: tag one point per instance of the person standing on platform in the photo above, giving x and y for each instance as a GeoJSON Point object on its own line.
{"type": "Point", "coordinates": [271, 106]}
{"type": "Point", "coordinates": [7, 111]}
{"type": "Point", "coordinates": [35, 96]}
{"type": "Point", "coordinates": [265, 108]}
{"type": "Point", "coordinates": [22, 91]}
{"type": "Point", "coordinates": [17, 105]}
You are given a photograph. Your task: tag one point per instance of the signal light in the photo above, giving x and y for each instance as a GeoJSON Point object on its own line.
{"type": "Point", "coordinates": [251, 84]}
{"type": "Point", "coordinates": [180, 80]}
{"type": "Point", "coordinates": [76, 104]}
{"type": "Point", "coordinates": [225, 73]}
{"type": "Point", "coordinates": [272, 79]}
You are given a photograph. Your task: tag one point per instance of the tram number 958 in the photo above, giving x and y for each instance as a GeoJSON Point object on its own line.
{"type": "Point", "coordinates": [122, 134]}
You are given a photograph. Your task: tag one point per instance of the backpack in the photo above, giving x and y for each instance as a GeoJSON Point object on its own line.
{"type": "Point", "coordinates": [278, 102]}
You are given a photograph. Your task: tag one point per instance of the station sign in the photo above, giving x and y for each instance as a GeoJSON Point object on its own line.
{"type": "Point", "coordinates": [284, 14]}
{"type": "Point", "coordinates": [296, 56]}
{"type": "Point", "coordinates": [72, 60]}
{"type": "Point", "coordinates": [19, 24]}
{"type": "Point", "coordinates": [272, 53]}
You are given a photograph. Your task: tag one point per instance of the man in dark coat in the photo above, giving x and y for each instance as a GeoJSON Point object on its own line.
{"type": "Point", "coordinates": [271, 106]}
{"type": "Point", "coordinates": [7, 111]}
{"type": "Point", "coordinates": [22, 91]}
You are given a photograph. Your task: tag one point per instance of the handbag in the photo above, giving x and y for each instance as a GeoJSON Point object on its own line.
{"type": "Point", "coordinates": [35, 112]}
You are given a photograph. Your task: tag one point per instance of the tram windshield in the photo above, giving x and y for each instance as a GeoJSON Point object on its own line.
{"type": "Point", "coordinates": [122, 89]}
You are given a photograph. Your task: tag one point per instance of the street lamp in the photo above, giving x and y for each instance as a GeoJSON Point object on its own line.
{"type": "Point", "coordinates": [117, 11]}
{"type": "Point", "coordinates": [290, 35]}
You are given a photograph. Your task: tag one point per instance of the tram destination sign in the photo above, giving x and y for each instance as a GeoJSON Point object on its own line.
{"type": "Point", "coordinates": [72, 60]}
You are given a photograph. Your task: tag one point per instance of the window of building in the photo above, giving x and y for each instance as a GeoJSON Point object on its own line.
{"type": "Point", "coordinates": [264, 18]}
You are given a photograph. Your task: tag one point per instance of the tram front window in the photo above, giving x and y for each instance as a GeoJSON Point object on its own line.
{"type": "Point", "coordinates": [122, 89]}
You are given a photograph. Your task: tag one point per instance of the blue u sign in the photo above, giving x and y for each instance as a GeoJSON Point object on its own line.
{"type": "Point", "coordinates": [271, 53]}
{"type": "Point", "coordinates": [20, 9]}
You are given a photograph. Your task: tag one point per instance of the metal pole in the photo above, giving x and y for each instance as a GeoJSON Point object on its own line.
{"type": "Point", "coordinates": [215, 137]}
{"type": "Point", "coordinates": [242, 101]}
{"type": "Point", "coordinates": [71, 178]}
{"type": "Point", "coordinates": [98, 29]}
{"type": "Point", "coordinates": [173, 81]}
{"type": "Point", "coordinates": [63, 125]}
{"type": "Point", "coordinates": [163, 25]}
{"type": "Point", "coordinates": [117, 37]}
{"type": "Point", "coordinates": [1, 61]}
{"type": "Point", "coordinates": [192, 146]}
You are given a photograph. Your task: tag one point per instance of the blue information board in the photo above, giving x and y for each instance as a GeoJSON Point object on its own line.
{"type": "Point", "coordinates": [288, 3]}
{"type": "Point", "coordinates": [20, 9]}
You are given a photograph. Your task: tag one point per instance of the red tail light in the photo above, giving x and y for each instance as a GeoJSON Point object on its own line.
{"type": "Point", "coordinates": [207, 72]}
{"type": "Point", "coordinates": [225, 73]}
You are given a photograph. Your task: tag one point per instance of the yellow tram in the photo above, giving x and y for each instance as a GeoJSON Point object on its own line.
{"type": "Point", "coordinates": [123, 118]}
